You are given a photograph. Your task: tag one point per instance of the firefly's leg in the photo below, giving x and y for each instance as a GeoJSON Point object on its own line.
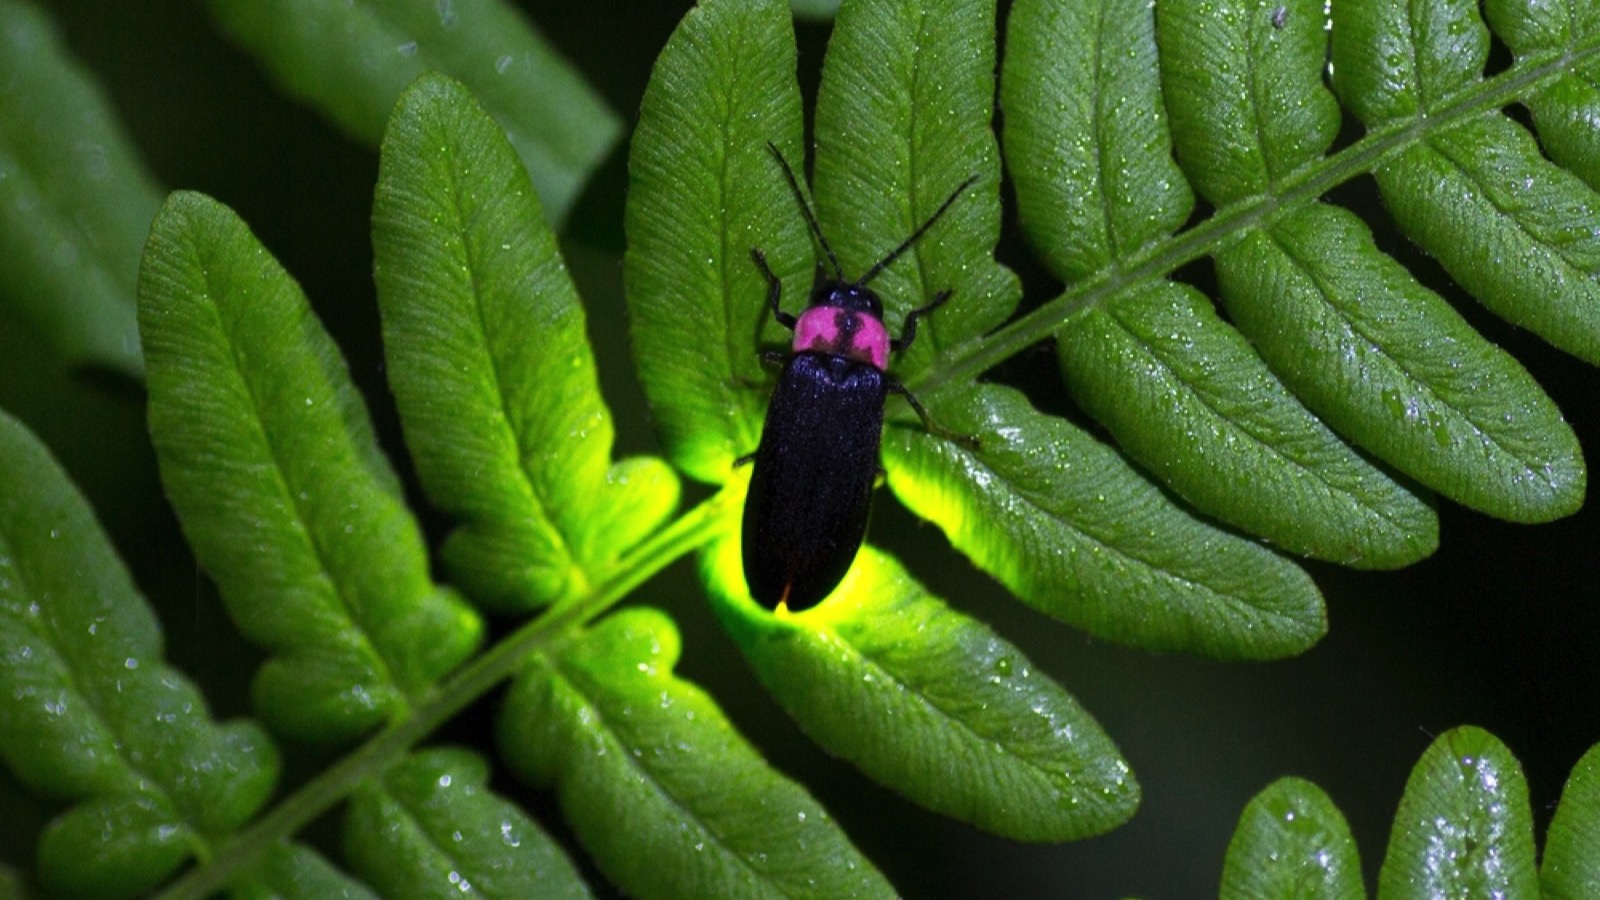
{"type": "Point", "coordinates": [774, 289]}
{"type": "Point", "coordinates": [970, 441]}
{"type": "Point", "coordinates": [909, 330]}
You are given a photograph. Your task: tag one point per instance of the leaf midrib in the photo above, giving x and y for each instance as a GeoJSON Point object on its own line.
{"type": "Point", "coordinates": [870, 661]}
{"type": "Point", "coordinates": [540, 496]}
{"type": "Point", "coordinates": [210, 258]}
{"type": "Point", "coordinates": [647, 776]}
{"type": "Point", "coordinates": [1468, 413]}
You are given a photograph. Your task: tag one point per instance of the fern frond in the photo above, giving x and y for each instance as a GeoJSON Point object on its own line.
{"type": "Point", "coordinates": [351, 61]}
{"type": "Point", "coordinates": [1307, 409]}
{"type": "Point", "coordinates": [75, 202]}
{"type": "Point", "coordinates": [90, 712]}
{"type": "Point", "coordinates": [491, 368]}
{"type": "Point", "coordinates": [1464, 829]}
{"type": "Point", "coordinates": [268, 456]}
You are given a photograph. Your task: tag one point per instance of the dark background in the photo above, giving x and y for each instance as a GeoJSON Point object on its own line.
{"type": "Point", "coordinates": [1497, 629]}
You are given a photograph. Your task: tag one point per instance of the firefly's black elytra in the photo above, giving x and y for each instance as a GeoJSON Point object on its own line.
{"type": "Point", "coordinates": [811, 487]}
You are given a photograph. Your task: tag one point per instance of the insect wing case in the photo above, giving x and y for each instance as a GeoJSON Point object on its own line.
{"type": "Point", "coordinates": [812, 483]}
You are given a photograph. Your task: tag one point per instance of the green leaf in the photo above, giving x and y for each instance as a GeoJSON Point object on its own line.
{"type": "Point", "coordinates": [1564, 112]}
{"type": "Point", "coordinates": [430, 827]}
{"type": "Point", "coordinates": [1390, 364]}
{"type": "Point", "coordinates": [1511, 227]}
{"type": "Point", "coordinates": [268, 456]}
{"type": "Point", "coordinates": [1074, 531]}
{"type": "Point", "coordinates": [931, 703]}
{"type": "Point", "coordinates": [352, 60]}
{"type": "Point", "coordinates": [116, 845]}
{"type": "Point", "coordinates": [1571, 868]}
{"type": "Point", "coordinates": [1182, 392]}
{"type": "Point", "coordinates": [1292, 844]}
{"type": "Point", "coordinates": [490, 366]}
{"type": "Point", "coordinates": [1385, 361]}
{"type": "Point", "coordinates": [1245, 92]}
{"type": "Point", "coordinates": [1464, 828]}
{"type": "Point", "coordinates": [296, 872]}
{"type": "Point", "coordinates": [703, 192]}
{"type": "Point", "coordinates": [1080, 81]}
{"type": "Point", "coordinates": [1187, 396]}
{"type": "Point", "coordinates": [902, 120]}
{"type": "Point", "coordinates": [75, 202]}
{"type": "Point", "coordinates": [617, 734]}
{"type": "Point", "coordinates": [90, 713]}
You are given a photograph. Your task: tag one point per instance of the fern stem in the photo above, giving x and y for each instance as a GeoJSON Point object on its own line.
{"type": "Point", "coordinates": [499, 662]}
{"type": "Point", "coordinates": [967, 362]}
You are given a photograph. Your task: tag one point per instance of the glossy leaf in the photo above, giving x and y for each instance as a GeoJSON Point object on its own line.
{"type": "Point", "coordinates": [296, 872]}
{"type": "Point", "coordinates": [1188, 397]}
{"type": "Point", "coordinates": [1244, 86]}
{"type": "Point", "coordinates": [1382, 359]}
{"type": "Point", "coordinates": [610, 726]}
{"type": "Point", "coordinates": [1390, 364]}
{"type": "Point", "coordinates": [704, 191]}
{"type": "Point", "coordinates": [490, 364]}
{"type": "Point", "coordinates": [1564, 112]}
{"type": "Point", "coordinates": [1182, 393]}
{"type": "Point", "coordinates": [268, 456]}
{"type": "Point", "coordinates": [931, 703]}
{"type": "Point", "coordinates": [430, 827]}
{"type": "Point", "coordinates": [351, 60]}
{"type": "Point", "coordinates": [1571, 867]}
{"type": "Point", "coordinates": [89, 711]}
{"type": "Point", "coordinates": [1074, 531]}
{"type": "Point", "coordinates": [1464, 828]}
{"type": "Point", "coordinates": [1292, 844]}
{"type": "Point", "coordinates": [1511, 227]}
{"type": "Point", "coordinates": [75, 202]}
{"type": "Point", "coordinates": [1080, 82]}
{"type": "Point", "coordinates": [903, 119]}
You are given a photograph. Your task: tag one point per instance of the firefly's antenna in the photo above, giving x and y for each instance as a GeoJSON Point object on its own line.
{"type": "Point", "coordinates": [794, 185]}
{"type": "Point", "coordinates": [894, 254]}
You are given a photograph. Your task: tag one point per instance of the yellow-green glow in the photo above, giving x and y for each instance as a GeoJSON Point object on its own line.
{"type": "Point", "coordinates": [723, 569]}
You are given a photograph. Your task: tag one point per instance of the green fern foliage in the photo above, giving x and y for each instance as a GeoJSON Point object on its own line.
{"type": "Point", "coordinates": [1079, 534]}
{"type": "Point", "coordinates": [89, 711]}
{"type": "Point", "coordinates": [492, 371]}
{"type": "Point", "coordinates": [1558, 34]}
{"type": "Point", "coordinates": [269, 458]}
{"type": "Point", "coordinates": [293, 870]}
{"type": "Point", "coordinates": [1463, 829]}
{"type": "Point", "coordinates": [933, 704]}
{"type": "Point", "coordinates": [703, 190]}
{"type": "Point", "coordinates": [1309, 409]}
{"type": "Point", "coordinates": [75, 202]}
{"type": "Point", "coordinates": [606, 722]}
{"type": "Point", "coordinates": [351, 61]}
{"type": "Point", "coordinates": [432, 813]}
{"type": "Point", "coordinates": [1513, 228]}
{"type": "Point", "coordinates": [1382, 359]}
{"type": "Point", "coordinates": [1292, 843]}
{"type": "Point", "coordinates": [1571, 868]}
{"type": "Point", "coordinates": [1183, 393]}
